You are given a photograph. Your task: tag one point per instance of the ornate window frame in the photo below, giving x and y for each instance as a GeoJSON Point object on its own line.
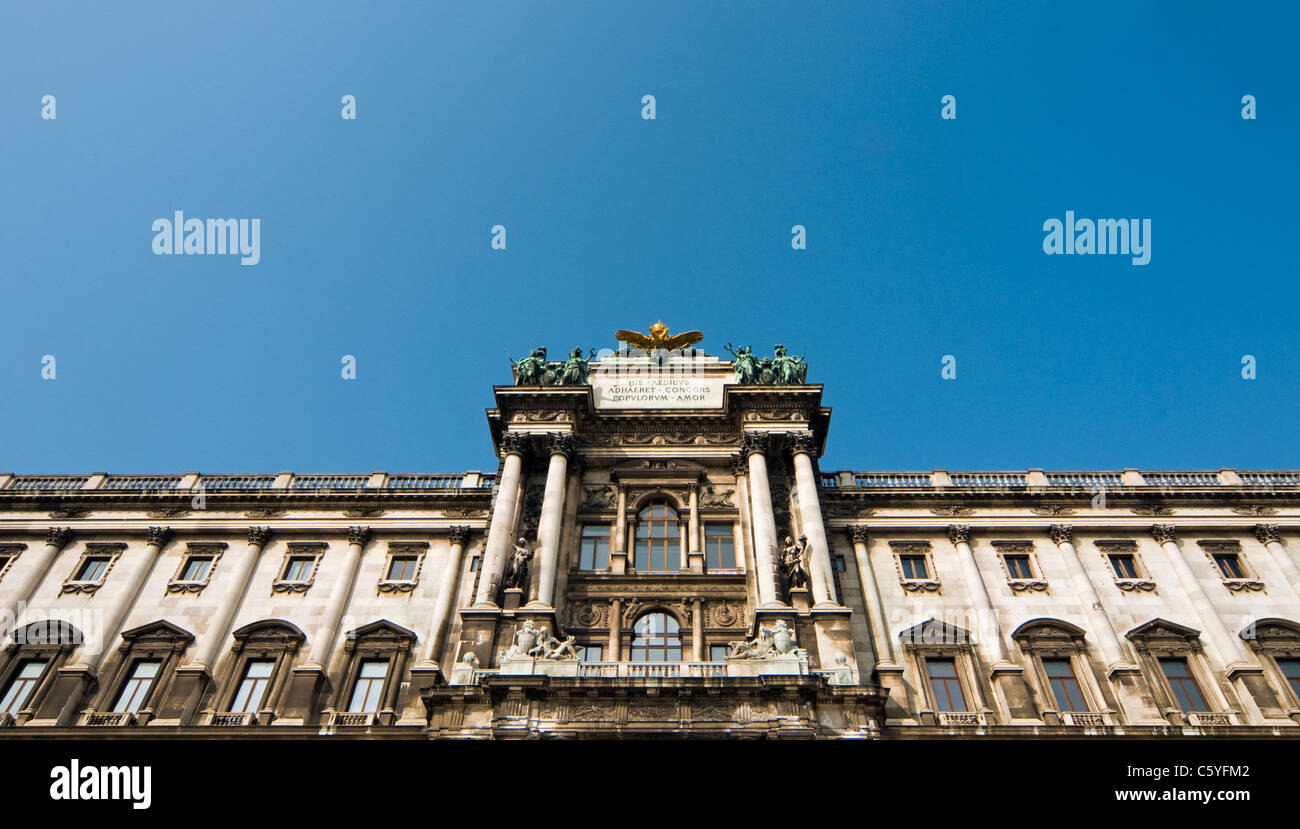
{"type": "Point", "coordinates": [111, 550]}
{"type": "Point", "coordinates": [418, 549]}
{"type": "Point", "coordinates": [1250, 581]}
{"type": "Point", "coordinates": [1046, 638]}
{"type": "Point", "coordinates": [1272, 639]}
{"type": "Point", "coordinates": [921, 547]}
{"type": "Point", "coordinates": [379, 640]}
{"type": "Point", "coordinates": [51, 640]}
{"type": "Point", "coordinates": [1025, 547]}
{"type": "Point", "coordinates": [1160, 638]}
{"type": "Point", "coordinates": [1126, 546]}
{"type": "Point", "coordinates": [299, 549]}
{"type": "Point", "coordinates": [196, 549]}
{"type": "Point", "coordinates": [936, 639]}
{"type": "Point", "coordinates": [273, 639]}
{"type": "Point", "coordinates": [160, 641]}
{"type": "Point", "coordinates": [10, 553]}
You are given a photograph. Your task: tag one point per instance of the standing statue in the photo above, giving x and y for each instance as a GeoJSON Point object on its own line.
{"type": "Point", "coordinates": [531, 370]}
{"type": "Point", "coordinates": [746, 365]}
{"type": "Point", "coordinates": [788, 369]}
{"type": "Point", "coordinates": [792, 563]}
{"type": "Point", "coordinates": [517, 571]}
{"type": "Point", "coordinates": [576, 370]}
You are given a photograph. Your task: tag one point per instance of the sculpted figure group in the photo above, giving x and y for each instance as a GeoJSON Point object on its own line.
{"type": "Point", "coordinates": [538, 643]}
{"type": "Point", "coordinates": [534, 370]}
{"type": "Point", "coordinates": [782, 369]}
{"type": "Point", "coordinates": [777, 640]}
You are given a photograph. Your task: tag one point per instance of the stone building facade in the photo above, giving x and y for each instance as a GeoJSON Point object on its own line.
{"type": "Point", "coordinates": [656, 554]}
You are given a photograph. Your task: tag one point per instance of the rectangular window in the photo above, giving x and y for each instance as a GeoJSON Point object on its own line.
{"type": "Point", "coordinates": [196, 568]}
{"type": "Point", "coordinates": [590, 653]}
{"type": "Point", "coordinates": [946, 686]}
{"type": "Point", "coordinates": [719, 547]}
{"type": "Point", "coordinates": [840, 564]}
{"type": "Point", "coordinates": [1184, 686]}
{"type": "Point", "coordinates": [23, 684]}
{"type": "Point", "coordinates": [402, 568]}
{"type": "Point", "coordinates": [1018, 566]}
{"type": "Point", "coordinates": [370, 681]}
{"type": "Point", "coordinates": [299, 568]}
{"type": "Point", "coordinates": [1124, 565]}
{"type": "Point", "coordinates": [1229, 565]}
{"type": "Point", "coordinates": [137, 686]}
{"type": "Point", "coordinates": [93, 568]}
{"type": "Point", "coordinates": [1291, 670]}
{"type": "Point", "coordinates": [718, 653]}
{"type": "Point", "coordinates": [913, 567]}
{"type": "Point", "coordinates": [594, 552]}
{"type": "Point", "coordinates": [1065, 685]}
{"type": "Point", "coordinates": [253, 687]}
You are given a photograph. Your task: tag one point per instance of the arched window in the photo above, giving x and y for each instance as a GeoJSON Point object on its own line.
{"type": "Point", "coordinates": [656, 638]}
{"type": "Point", "coordinates": [658, 539]}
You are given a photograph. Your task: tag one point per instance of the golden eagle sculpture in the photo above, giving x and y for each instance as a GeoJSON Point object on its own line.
{"type": "Point", "coordinates": [658, 338]}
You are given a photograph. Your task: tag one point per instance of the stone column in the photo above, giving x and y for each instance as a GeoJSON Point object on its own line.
{"type": "Point", "coordinates": [548, 526]}
{"type": "Point", "coordinates": [323, 643]}
{"type": "Point", "coordinates": [618, 543]}
{"type": "Point", "coordinates": [810, 518]}
{"type": "Point", "coordinates": [55, 540]}
{"type": "Point", "coordinates": [697, 629]}
{"type": "Point", "coordinates": [214, 638]}
{"type": "Point", "coordinates": [615, 629]}
{"type": "Point", "coordinates": [1231, 650]}
{"type": "Point", "coordinates": [447, 590]}
{"type": "Point", "coordinates": [760, 497]}
{"type": "Point", "coordinates": [875, 607]}
{"type": "Point", "coordinates": [1268, 536]}
{"type": "Point", "coordinates": [502, 527]}
{"type": "Point", "coordinates": [1112, 650]}
{"type": "Point", "coordinates": [694, 550]}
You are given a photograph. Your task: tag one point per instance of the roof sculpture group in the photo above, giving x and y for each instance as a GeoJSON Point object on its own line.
{"type": "Point", "coordinates": [781, 369]}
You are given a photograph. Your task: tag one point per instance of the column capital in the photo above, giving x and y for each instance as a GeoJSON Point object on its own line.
{"type": "Point", "coordinates": [514, 443]}
{"type": "Point", "coordinates": [358, 535]}
{"type": "Point", "coordinates": [738, 465]}
{"type": "Point", "coordinates": [560, 443]}
{"type": "Point", "coordinates": [158, 535]}
{"type": "Point", "coordinates": [58, 536]}
{"type": "Point", "coordinates": [959, 533]}
{"type": "Point", "coordinates": [1061, 533]}
{"type": "Point", "coordinates": [803, 443]}
{"type": "Point", "coordinates": [259, 535]}
{"type": "Point", "coordinates": [857, 533]}
{"type": "Point", "coordinates": [753, 443]}
{"type": "Point", "coordinates": [1163, 533]}
{"type": "Point", "coordinates": [1266, 533]}
{"type": "Point", "coordinates": [459, 534]}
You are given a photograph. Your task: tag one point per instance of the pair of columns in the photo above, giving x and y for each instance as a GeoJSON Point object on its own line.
{"type": "Point", "coordinates": [501, 531]}
{"type": "Point", "coordinates": [754, 447]}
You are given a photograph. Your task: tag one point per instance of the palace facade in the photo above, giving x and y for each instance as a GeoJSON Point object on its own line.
{"type": "Point", "coordinates": [656, 553]}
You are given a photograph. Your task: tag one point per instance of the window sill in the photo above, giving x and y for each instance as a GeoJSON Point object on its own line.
{"type": "Point", "coordinates": [1241, 585]}
{"type": "Point", "coordinates": [397, 585]}
{"type": "Point", "coordinates": [1136, 585]}
{"type": "Point", "coordinates": [81, 586]}
{"type": "Point", "coordinates": [186, 586]}
{"type": "Point", "coordinates": [290, 586]}
{"type": "Point", "coordinates": [920, 585]}
{"type": "Point", "coordinates": [1027, 585]}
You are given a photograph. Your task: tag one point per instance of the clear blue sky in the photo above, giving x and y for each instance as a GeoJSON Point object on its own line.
{"type": "Point", "coordinates": [924, 235]}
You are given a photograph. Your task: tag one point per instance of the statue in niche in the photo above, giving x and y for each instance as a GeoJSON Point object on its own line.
{"type": "Point", "coordinates": [576, 370]}
{"type": "Point", "coordinates": [747, 368]}
{"type": "Point", "coordinates": [531, 370]}
{"type": "Point", "coordinates": [792, 563]}
{"type": "Point", "coordinates": [787, 369]}
{"type": "Point", "coordinates": [517, 570]}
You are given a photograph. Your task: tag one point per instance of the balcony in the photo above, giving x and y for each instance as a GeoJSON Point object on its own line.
{"type": "Point", "coordinates": [652, 670]}
{"type": "Point", "coordinates": [960, 719]}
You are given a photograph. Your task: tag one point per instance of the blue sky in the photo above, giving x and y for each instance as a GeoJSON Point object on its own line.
{"type": "Point", "coordinates": [924, 235]}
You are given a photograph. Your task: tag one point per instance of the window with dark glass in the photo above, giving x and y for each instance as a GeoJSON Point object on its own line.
{"type": "Point", "coordinates": [658, 539]}
{"type": "Point", "coordinates": [93, 568]}
{"type": "Point", "coordinates": [1291, 670]}
{"type": "Point", "coordinates": [947, 688]}
{"type": "Point", "coordinates": [1229, 565]}
{"type": "Point", "coordinates": [137, 685]}
{"type": "Point", "coordinates": [257, 675]}
{"type": "Point", "coordinates": [1018, 566]}
{"type": "Point", "coordinates": [913, 567]}
{"type": "Point", "coordinates": [1065, 685]}
{"type": "Point", "coordinates": [718, 653]}
{"type": "Point", "coordinates": [590, 653]}
{"type": "Point", "coordinates": [370, 682]}
{"type": "Point", "coordinates": [196, 568]}
{"type": "Point", "coordinates": [1124, 565]}
{"type": "Point", "coordinates": [593, 554]}
{"type": "Point", "coordinates": [402, 568]}
{"type": "Point", "coordinates": [299, 568]}
{"type": "Point", "coordinates": [4, 562]}
{"type": "Point", "coordinates": [719, 547]}
{"type": "Point", "coordinates": [21, 687]}
{"type": "Point", "coordinates": [840, 564]}
{"type": "Point", "coordinates": [1183, 685]}
{"type": "Point", "coordinates": [656, 638]}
